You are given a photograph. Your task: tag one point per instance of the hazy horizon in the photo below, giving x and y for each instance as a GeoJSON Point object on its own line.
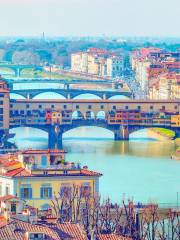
{"type": "Point", "coordinates": [90, 18]}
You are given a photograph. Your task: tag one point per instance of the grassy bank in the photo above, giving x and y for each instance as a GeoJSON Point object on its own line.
{"type": "Point", "coordinates": [177, 152]}
{"type": "Point", "coordinates": [177, 142]}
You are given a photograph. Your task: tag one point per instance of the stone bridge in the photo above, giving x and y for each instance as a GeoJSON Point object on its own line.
{"type": "Point", "coordinates": [121, 132]}
{"type": "Point", "coordinates": [31, 113]}
{"type": "Point", "coordinates": [71, 93]}
{"type": "Point", "coordinates": [19, 68]}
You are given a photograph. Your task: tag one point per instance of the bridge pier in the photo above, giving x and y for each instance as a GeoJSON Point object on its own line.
{"type": "Point", "coordinates": [68, 96]}
{"type": "Point", "coordinates": [104, 96]}
{"type": "Point", "coordinates": [55, 137]}
{"type": "Point", "coordinates": [177, 133]}
{"type": "Point", "coordinates": [121, 133]}
{"type": "Point", "coordinates": [66, 86]}
{"type": "Point", "coordinates": [17, 72]}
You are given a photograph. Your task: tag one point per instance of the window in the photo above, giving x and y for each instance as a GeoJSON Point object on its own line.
{"type": "Point", "coordinates": [175, 107]}
{"type": "Point", "coordinates": [11, 105]}
{"type": "Point", "coordinates": [1, 94]}
{"type": "Point", "coordinates": [89, 106]}
{"type": "Point", "coordinates": [26, 192]}
{"type": "Point", "coordinates": [1, 102]}
{"type": "Point", "coordinates": [163, 108]}
{"type": "Point", "coordinates": [36, 236]}
{"type": "Point", "coordinates": [43, 161]}
{"type": "Point", "coordinates": [102, 107]}
{"type": "Point", "coordinates": [151, 107]}
{"type": "Point", "coordinates": [16, 112]}
{"type": "Point", "coordinates": [65, 106]}
{"type": "Point", "coordinates": [7, 190]}
{"type": "Point", "coordinates": [22, 112]}
{"type": "Point", "coordinates": [28, 113]}
{"type": "Point", "coordinates": [139, 107]}
{"type": "Point", "coordinates": [27, 105]}
{"type": "Point", "coordinates": [77, 106]}
{"type": "Point", "coordinates": [114, 107]}
{"type": "Point", "coordinates": [52, 106]}
{"type": "Point", "coordinates": [126, 107]}
{"type": "Point", "coordinates": [65, 190]}
{"type": "Point", "coordinates": [1, 110]}
{"type": "Point", "coordinates": [40, 106]}
{"type": "Point", "coordinates": [46, 192]}
{"type": "Point", "coordinates": [85, 189]}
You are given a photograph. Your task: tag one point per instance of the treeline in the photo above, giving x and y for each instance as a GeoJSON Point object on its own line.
{"type": "Point", "coordinates": [148, 222]}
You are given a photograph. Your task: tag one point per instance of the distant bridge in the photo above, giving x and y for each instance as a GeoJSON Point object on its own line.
{"type": "Point", "coordinates": [19, 68]}
{"type": "Point", "coordinates": [69, 82]}
{"type": "Point", "coordinates": [72, 93]}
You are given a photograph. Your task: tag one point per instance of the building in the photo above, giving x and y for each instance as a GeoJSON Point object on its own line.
{"type": "Point", "coordinates": [42, 175]}
{"type": "Point", "coordinates": [10, 206]}
{"type": "Point", "coordinates": [4, 107]}
{"type": "Point", "coordinates": [154, 69]}
{"type": "Point", "coordinates": [114, 66]}
{"type": "Point", "coordinates": [97, 62]}
{"type": "Point", "coordinates": [20, 230]}
{"type": "Point", "coordinates": [43, 158]}
{"type": "Point", "coordinates": [165, 86]}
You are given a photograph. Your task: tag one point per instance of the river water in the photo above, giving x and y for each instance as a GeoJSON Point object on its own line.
{"type": "Point", "coordinates": [141, 169]}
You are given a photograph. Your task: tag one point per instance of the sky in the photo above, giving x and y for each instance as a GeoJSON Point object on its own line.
{"type": "Point", "coordinates": [154, 18]}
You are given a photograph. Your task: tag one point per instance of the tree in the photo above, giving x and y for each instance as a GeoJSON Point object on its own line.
{"type": "Point", "coordinates": [25, 57]}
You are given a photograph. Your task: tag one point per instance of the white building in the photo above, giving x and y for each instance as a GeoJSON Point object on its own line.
{"type": "Point", "coordinates": [114, 66]}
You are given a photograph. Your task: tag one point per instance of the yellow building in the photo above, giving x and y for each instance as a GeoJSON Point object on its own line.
{"type": "Point", "coordinates": [165, 86]}
{"type": "Point", "coordinates": [175, 121]}
{"type": "Point", "coordinates": [93, 64]}
{"type": "Point", "coordinates": [79, 62]}
{"type": "Point", "coordinates": [39, 187]}
{"type": "Point", "coordinates": [40, 180]}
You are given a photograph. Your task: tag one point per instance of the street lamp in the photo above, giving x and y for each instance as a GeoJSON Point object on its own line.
{"type": "Point", "coordinates": [177, 198]}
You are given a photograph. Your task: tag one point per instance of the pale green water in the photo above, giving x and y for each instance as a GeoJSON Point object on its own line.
{"type": "Point", "coordinates": [141, 168]}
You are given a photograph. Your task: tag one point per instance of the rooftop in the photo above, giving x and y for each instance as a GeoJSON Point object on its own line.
{"type": "Point", "coordinates": [7, 198]}
{"type": "Point", "coordinates": [23, 172]}
{"type": "Point", "coordinates": [16, 230]}
{"type": "Point", "coordinates": [112, 237]}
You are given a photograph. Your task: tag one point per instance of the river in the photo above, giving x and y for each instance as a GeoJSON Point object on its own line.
{"type": "Point", "coordinates": [141, 169]}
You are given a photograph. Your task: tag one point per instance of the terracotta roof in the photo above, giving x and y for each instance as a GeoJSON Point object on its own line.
{"type": "Point", "coordinates": [112, 237]}
{"type": "Point", "coordinates": [16, 230]}
{"type": "Point", "coordinates": [18, 172]}
{"type": "Point", "coordinates": [3, 222]}
{"type": "Point", "coordinates": [4, 90]}
{"type": "Point", "coordinates": [11, 163]}
{"type": "Point", "coordinates": [7, 197]}
{"type": "Point", "coordinates": [90, 173]}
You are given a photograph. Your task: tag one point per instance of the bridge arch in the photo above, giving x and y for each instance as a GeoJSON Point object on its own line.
{"type": "Point", "coordinates": [17, 96]}
{"type": "Point", "coordinates": [7, 70]}
{"type": "Point", "coordinates": [77, 115]}
{"type": "Point", "coordinates": [162, 131]}
{"type": "Point", "coordinates": [86, 96]}
{"type": "Point", "coordinates": [89, 115]}
{"type": "Point", "coordinates": [119, 96]}
{"type": "Point", "coordinates": [50, 95]}
{"type": "Point", "coordinates": [32, 135]}
{"type": "Point", "coordinates": [101, 115]}
{"type": "Point", "coordinates": [92, 131]}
